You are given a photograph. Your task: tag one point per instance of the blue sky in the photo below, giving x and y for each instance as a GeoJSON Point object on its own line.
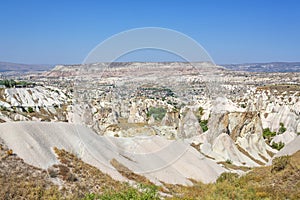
{"type": "Point", "coordinates": [232, 31]}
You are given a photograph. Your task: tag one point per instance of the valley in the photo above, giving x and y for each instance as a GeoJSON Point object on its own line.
{"type": "Point", "coordinates": [171, 125]}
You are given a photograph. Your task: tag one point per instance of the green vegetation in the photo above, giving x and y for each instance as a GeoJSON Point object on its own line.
{"type": "Point", "coordinates": [268, 135]}
{"type": "Point", "coordinates": [282, 129]}
{"type": "Point", "coordinates": [142, 192]}
{"type": "Point", "coordinates": [156, 92]}
{"type": "Point", "coordinates": [158, 113]}
{"type": "Point", "coordinates": [280, 163]}
{"type": "Point", "coordinates": [279, 181]}
{"type": "Point", "coordinates": [228, 161]}
{"type": "Point", "coordinates": [3, 108]}
{"type": "Point", "coordinates": [277, 146]}
{"type": "Point", "coordinates": [12, 83]}
{"type": "Point", "coordinates": [200, 110]}
{"type": "Point", "coordinates": [203, 124]}
{"type": "Point", "coordinates": [30, 110]}
{"type": "Point", "coordinates": [227, 176]}
{"type": "Point", "coordinates": [298, 133]}
{"type": "Point", "coordinates": [8, 83]}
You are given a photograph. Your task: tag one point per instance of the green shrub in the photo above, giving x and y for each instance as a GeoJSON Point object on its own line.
{"type": "Point", "coordinates": [280, 163]}
{"type": "Point", "coordinates": [282, 129]}
{"type": "Point", "coordinates": [200, 110]}
{"type": "Point", "coordinates": [203, 124]}
{"type": "Point", "coordinates": [158, 113]}
{"type": "Point", "coordinates": [228, 161]}
{"type": "Point", "coordinates": [278, 145]}
{"type": "Point", "coordinates": [8, 83]}
{"type": "Point", "coordinates": [30, 110]}
{"type": "Point", "coordinates": [227, 176]}
{"type": "Point", "coordinates": [268, 135]}
{"type": "Point", "coordinates": [143, 192]}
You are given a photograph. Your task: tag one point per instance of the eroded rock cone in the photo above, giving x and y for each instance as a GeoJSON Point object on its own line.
{"type": "Point", "coordinates": [170, 119]}
{"type": "Point", "coordinates": [190, 126]}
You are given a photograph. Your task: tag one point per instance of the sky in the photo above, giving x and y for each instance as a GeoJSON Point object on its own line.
{"type": "Point", "coordinates": [231, 31]}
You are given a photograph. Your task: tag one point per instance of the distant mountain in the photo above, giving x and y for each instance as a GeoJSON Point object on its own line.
{"type": "Point", "coordinates": [7, 67]}
{"type": "Point", "coordinates": [265, 67]}
{"type": "Point", "coordinates": [18, 68]}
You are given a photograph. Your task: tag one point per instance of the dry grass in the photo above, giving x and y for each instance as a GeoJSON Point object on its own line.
{"type": "Point", "coordinates": [234, 167]}
{"type": "Point", "coordinates": [89, 179]}
{"type": "Point", "coordinates": [122, 169]}
{"type": "Point", "coordinates": [260, 183]}
{"type": "Point", "coordinates": [18, 180]}
{"type": "Point", "coordinates": [22, 181]}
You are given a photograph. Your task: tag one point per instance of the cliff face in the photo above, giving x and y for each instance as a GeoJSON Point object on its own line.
{"type": "Point", "coordinates": [234, 136]}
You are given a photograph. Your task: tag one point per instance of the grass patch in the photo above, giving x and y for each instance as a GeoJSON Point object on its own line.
{"type": "Point", "coordinates": [142, 192]}
{"type": "Point", "coordinates": [158, 113]}
{"type": "Point", "coordinates": [259, 183]}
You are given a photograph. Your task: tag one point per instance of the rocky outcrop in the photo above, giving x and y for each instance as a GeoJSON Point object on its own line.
{"type": "Point", "coordinates": [236, 136]}
{"type": "Point", "coordinates": [171, 119]}
{"type": "Point", "coordinates": [189, 126]}
{"type": "Point", "coordinates": [136, 114]}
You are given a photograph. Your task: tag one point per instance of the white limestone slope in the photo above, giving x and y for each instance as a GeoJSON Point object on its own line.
{"type": "Point", "coordinates": [154, 157]}
{"type": "Point", "coordinates": [290, 148]}
{"type": "Point", "coordinates": [37, 96]}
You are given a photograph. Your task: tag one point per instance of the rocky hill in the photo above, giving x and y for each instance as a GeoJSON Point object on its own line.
{"type": "Point", "coordinates": [265, 67]}
{"type": "Point", "coordinates": [18, 68]}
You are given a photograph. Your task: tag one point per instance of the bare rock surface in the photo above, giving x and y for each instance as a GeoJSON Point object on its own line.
{"type": "Point", "coordinates": [154, 157]}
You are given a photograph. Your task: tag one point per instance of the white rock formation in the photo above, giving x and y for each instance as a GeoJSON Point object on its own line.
{"type": "Point", "coordinates": [156, 158]}
{"type": "Point", "coordinates": [136, 115]}
{"type": "Point", "coordinates": [189, 127]}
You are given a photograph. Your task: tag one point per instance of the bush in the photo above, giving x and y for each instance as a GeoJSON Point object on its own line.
{"type": "Point", "coordinates": [280, 163]}
{"type": "Point", "coordinates": [277, 146]}
{"type": "Point", "coordinates": [268, 135]}
{"type": "Point", "coordinates": [227, 176]}
{"type": "Point", "coordinates": [282, 129]}
{"type": "Point", "coordinates": [203, 124]}
{"type": "Point", "coordinates": [228, 161]}
{"type": "Point", "coordinates": [52, 172]}
{"type": "Point", "coordinates": [200, 110]}
{"type": "Point", "coordinates": [30, 110]}
{"type": "Point", "coordinates": [143, 192]}
{"type": "Point", "coordinates": [8, 83]}
{"type": "Point", "coordinates": [158, 113]}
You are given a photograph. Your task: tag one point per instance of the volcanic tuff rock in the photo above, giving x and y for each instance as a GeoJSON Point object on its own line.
{"type": "Point", "coordinates": [136, 115]}
{"type": "Point", "coordinates": [177, 161]}
{"type": "Point", "coordinates": [189, 126]}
